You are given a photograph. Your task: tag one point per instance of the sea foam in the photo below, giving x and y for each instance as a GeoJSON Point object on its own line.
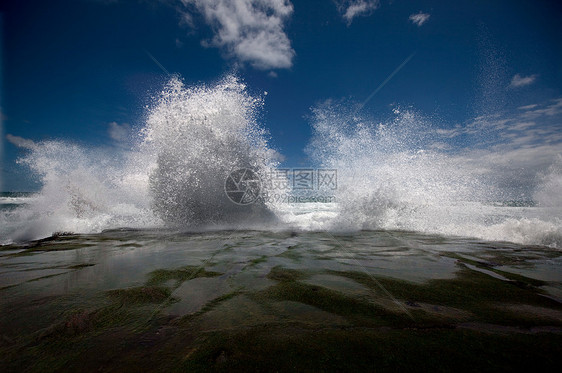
{"type": "Point", "coordinates": [392, 175]}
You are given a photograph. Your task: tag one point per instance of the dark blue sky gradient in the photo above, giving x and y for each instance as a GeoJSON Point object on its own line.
{"type": "Point", "coordinates": [71, 67]}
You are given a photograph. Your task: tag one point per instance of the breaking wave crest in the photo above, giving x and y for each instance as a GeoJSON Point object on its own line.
{"type": "Point", "coordinates": [400, 175]}
{"type": "Point", "coordinates": [198, 136]}
{"type": "Point", "coordinates": [395, 175]}
{"type": "Point", "coordinates": [172, 177]}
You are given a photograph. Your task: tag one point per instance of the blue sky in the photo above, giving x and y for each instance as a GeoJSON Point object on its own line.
{"type": "Point", "coordinates": [80, 70]}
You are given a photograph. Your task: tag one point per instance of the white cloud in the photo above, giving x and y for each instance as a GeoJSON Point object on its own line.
{"type": "Point", "coordinates": [449, 132]}
{"type": "Point", "coordinates": [527, 107]}
{"type": "Point", "coordinates": [20, 141]}
{"type": "Point", "coordinates": [552, 109]}
{"type": "Point", "coordinates": [512, 149]}
{"type": "Point", "coordinates": [252, 31]}
{"type": "Point", "coordinates": [349, 9]}
{"type": "Point", "coordinates": [419, 18]}
{"type": "Point", "coordinates": [521, 81]}
{"type": "Point", "coordinates": [534, 124]}
{"type": "Point", "coordinates": [119, 132]}
{"type": "Point", "coordinates": [186, 19]}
